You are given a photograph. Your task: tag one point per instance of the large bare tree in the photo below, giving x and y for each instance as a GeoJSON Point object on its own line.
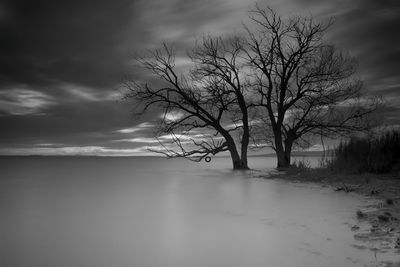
{"type": "Point", "coordinates": [305, 86]}
{"type": "Point", "coordinates": [210, 101]}
{"type": "Point", "coordinates": [284, 71]}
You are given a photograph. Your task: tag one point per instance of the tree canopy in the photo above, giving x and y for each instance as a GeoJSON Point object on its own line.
{"type": "Point", "coordinates": [305, 85]}
{"type": "Point", "coordinates": [210, 99]}
{"type": "Point", "coordinates": [280, 84]}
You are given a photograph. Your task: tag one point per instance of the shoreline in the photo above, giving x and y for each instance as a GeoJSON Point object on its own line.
{"type": "Point", "coordinates": [382, 219]}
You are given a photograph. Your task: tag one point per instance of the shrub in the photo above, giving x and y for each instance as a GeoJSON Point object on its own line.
{"type": "Point", "coordinates": [302, 165]}
{"type": "Point", "coordinates": [377, 154]}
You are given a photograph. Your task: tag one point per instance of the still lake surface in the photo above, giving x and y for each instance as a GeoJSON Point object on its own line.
{"type": "Point", "coordinates": [149, 211]}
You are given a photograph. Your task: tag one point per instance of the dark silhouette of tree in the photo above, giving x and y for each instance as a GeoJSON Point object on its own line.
{"type": "Point", "coordinates": [210, 101]}
{"type": "Point", "coordinates": [305, 86]}
{"type": "Point", "coordinates": [284, 71]}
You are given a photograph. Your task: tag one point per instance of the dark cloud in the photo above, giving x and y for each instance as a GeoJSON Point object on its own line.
{"type": "Point", "coordinates": [369, 31]}
{"type": "Point", "coordinates": [72, 41]}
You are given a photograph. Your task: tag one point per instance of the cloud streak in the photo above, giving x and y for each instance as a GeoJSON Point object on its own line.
{"type": "Point", "coordinates": [77, 151]}
{"type": "Point", "coordinates": [21, 101]}
{"type": "Point", "coordinates": [140, 127]}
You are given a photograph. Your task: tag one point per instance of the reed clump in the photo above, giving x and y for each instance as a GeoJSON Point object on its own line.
{"type": "Point", "coordinates": [374, 154]}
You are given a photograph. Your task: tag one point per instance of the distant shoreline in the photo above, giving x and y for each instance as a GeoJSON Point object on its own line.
{"type": "Point", "coordinates": [268, 155]}
{"type": "Point", "coordinates": [75, 156]}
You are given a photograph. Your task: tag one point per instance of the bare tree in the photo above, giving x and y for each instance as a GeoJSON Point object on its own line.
{"type": "Point", "coordinates": [284, 71]}
{"type": "Point", "coordinates": [209, 99]}
{"type": "Point", "coordinates": [305, 86]}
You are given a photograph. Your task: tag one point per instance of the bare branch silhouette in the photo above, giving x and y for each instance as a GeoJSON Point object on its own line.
{"type": "Point", "coordinates": [207, 98]}
{"type": "Point", "coordinates": [306, 86]}
{"type": "Point", "coordinates": [278, 87]}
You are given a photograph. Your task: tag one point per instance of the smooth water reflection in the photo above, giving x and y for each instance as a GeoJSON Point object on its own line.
{"type": "Point", "coordinates": [154, 212]}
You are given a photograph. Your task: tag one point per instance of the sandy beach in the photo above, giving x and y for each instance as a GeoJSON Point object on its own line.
{"type": "Point", "coordinates": [378, 222]}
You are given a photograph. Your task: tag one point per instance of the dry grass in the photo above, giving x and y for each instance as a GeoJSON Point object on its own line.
{"type": "Point", "coordinates": [375, 154]}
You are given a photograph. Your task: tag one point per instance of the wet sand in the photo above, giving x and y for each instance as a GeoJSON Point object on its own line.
{"type": "Point", "coordinates": [378, 221]}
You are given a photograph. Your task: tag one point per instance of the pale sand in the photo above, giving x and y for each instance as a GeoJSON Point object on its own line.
{"type": "Point", "coordinates": [379, 223]}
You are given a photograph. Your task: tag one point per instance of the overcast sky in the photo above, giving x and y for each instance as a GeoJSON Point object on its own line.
{"type": "Point", "coordinates": [62, 62]}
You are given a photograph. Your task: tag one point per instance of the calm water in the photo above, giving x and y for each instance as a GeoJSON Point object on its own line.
{"type": "Point", "coordinates": [156, 212]}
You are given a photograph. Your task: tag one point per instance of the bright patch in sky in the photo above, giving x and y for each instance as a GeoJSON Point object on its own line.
{"type": "Point", "coordinates": [172, 116]}
{"type": "Point", "coordinates": [77, 151]}
{"type": "Point", "coordinates": [139, 127]}
{"type": "Point", "coordinates": [138, 140]}
{"type": "Point", "coordinates": [24, 101]}
{"type": "Point", "coordinates": [90, 94]}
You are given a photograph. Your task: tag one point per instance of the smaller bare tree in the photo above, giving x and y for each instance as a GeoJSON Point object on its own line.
{"type": "Point", "coordinates": [207, 98]}
{"type": "Point", "coordinates": [306, 87]}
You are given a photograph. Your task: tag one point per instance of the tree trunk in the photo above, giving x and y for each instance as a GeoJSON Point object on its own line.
{"type": "Point", "coordinates": [282, 153]}
{"type": "Point", "coordinates": [240, 165]}
{"type": "Point", "coordinates": [288, 150]}
{"type": "Point", "coordinates": [246, 132]}
{"type": "Point", "coordinates": [244, 147]}
{"type": "Point", "coordinates": [237, 162]}
{"type": "Point", "coordinates": [283, 158]}
{"type": "Point", "coordinates": [243, 164]}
